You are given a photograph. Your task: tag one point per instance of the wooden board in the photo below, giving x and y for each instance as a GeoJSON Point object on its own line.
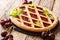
{"type": "Point", "coordinates": [56, 10]}
{"type": "Point", "coordinates": [8, 5]}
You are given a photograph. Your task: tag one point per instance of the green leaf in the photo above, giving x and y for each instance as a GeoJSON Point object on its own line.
{"type": "Point", "coordinates": [13, 13]}
{"type": "Point", "coordinates": [16, 12]}
{"type": "Point", "coordinates": [19, 11]}
{"type": "Point", "coordinates": [31, 5]}
{"type": "Point", "coordinates": [50, 16]}
{"type": "Point", "coordinates": [45, 12]}
{"type": "Point", "coordinates": [38, 22]}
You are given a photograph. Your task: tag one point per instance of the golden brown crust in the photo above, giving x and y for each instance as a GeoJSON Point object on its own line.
{"type": "Point", "coordinates": [32, 29]}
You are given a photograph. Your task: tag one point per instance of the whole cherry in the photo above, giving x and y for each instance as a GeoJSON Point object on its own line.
{"type": "Point", "coordinates": [2, 22]}
{"type": "Point", "coordinates": [51, 36]}
{"type": "Point", "coordinates": [44, 35]}
{"type": "Point", "coordinates": [9, 24]}
{"type": "Point", "coordinates": [3, 34]}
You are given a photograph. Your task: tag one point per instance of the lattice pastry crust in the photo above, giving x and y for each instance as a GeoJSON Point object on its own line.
{"type": "Point", "coordinates": [27, 20]}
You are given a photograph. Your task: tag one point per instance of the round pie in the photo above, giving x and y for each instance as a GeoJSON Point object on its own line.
{"type": "Point", "coordinates": [34, 18]}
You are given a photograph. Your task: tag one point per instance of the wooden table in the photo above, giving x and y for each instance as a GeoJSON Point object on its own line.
{"type": "Point", "coordinates": [6, 6]}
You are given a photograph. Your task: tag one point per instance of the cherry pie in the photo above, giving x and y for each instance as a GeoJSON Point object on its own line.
{"type": "Point", "coordinates": [34, 18]}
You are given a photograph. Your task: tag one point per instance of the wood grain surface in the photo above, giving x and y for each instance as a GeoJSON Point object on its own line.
{"type": "Point", "coordinates": [6, 6]}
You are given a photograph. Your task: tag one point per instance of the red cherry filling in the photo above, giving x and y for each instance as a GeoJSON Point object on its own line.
{"type": "Point", "coordinates": [34, 21]}
{"type": "Point", "coordinates": [41, 13]}
{"type": "Point", "coordinates": [46, 24]}
{"type": "Point", "coordinates": [33, 15]}
{"type": "Point", "coordinates": [27, 24]}
{"type": "Point", "coordinates": [23, 7]}
{"type": "Point", "coordinates": [32, 10]}
{"type": "Point", "coordinates": [52, 20]}
{"type": "Point", "coordinates": [39, 8]}
{"type": "Point", "coordinates": [44, 19]}
{"type": "Point", "coordinates": [37, 26]}
{"type": "Point", "coordinates": [25, 13]}
{"type": "Point", "coordinates": [25, 18]}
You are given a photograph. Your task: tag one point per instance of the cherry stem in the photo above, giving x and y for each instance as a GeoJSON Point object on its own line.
{"type": "Point", "coordinates": [25, 1]}
{"type": "Point", "coordinates": [10, 29]}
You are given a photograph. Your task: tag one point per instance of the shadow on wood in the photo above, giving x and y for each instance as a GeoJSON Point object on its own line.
{"type": "Point", "coordinates": [34, 33]}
